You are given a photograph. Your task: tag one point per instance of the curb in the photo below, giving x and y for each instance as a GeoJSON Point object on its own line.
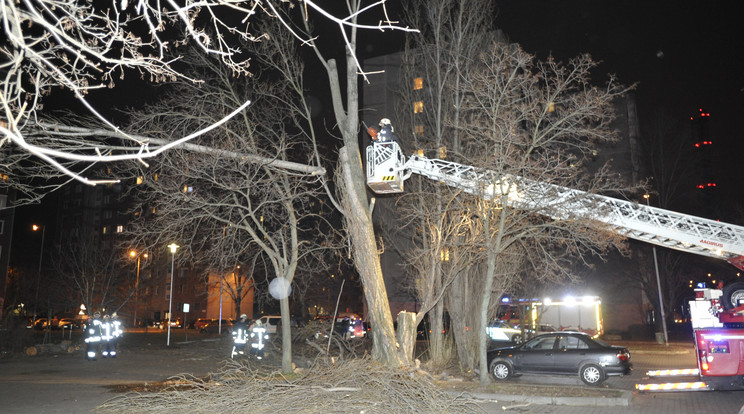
{"type": "Point", "coordinates": [623, 401]}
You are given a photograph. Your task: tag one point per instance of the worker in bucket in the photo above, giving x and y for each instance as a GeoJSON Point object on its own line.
{"type": "Point", "coordinates": [386, 133]}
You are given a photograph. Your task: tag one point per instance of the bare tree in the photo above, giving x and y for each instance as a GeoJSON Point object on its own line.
{"type": "Point", "coordinates": [452, 35]}
{"type": "Point", "coordinates": [352, 184]}
{"type": "Point", "coordinates": [83, 47]}
{"type": "Point", "coordinates": [93, 276]}
{"type": "Point", "coordinates": [264, 214]}
{"type": "Point", "coordinates": [539, 121]}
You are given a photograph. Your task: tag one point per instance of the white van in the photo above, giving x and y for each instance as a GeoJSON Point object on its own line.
{"type": "Point", "coordinates": [270, 322]}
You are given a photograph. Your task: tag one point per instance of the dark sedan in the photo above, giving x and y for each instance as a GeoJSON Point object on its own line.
{"type": "Point", "coordinates": [214, 326]}
{"type": "Point", "coordinates": [561, 353]}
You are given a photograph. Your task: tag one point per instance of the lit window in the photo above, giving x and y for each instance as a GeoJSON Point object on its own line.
{"type": "Point", "coordinates": [418, 107]}
{"type": "Point", "coordinates": [418, 83]}
{"type": "Point", "coordinates": [154, 210]}
{"type": "Point", "coordinates": [105, 230]}
{"type": "Point", "coordinates": [419, 130]}
{"type": "Point", "coordinates": [155, 177]}
{"type": "Point", "coordinates": [444, 255]}
{"type": "Point", "coordinates": [442, 152]}
{"type": "Point", "coordinates": [119, 229]}
{"type": "Point", "coordinates": [420, 152]}
{"type": "Point", "coordinates": [4, 178]}
{"type": "Point", "coordinates": [188, 189]}
{"type": "Point", "coordinates": [140, 179]}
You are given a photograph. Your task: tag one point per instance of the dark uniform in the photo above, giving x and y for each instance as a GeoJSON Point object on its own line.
{"type": "Point", "coordinates": [92, 336]}
{"type": "Point", "coordinates": [240, 336]}
{"type": "Point", "coordinates": [258, 336]}
{"type": "Point", "coordinates": [111, 344]}
{"type": "Point", "coordinates": [386, 133]}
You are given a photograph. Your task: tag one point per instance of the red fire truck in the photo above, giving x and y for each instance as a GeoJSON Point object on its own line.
{"type": "Point", "coordinates": [718, 325]}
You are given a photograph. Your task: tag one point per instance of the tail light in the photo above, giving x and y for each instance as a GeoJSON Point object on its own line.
{"type": "Point", "coordinates": [623, 356]}
{"type": "Point", "coordinates": [703, 360]}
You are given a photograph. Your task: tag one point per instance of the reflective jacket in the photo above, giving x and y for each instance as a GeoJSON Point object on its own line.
{"type": "Point", "coordinates": [93, 330]}
{"type": "Point", "coordinates": [240, 332]}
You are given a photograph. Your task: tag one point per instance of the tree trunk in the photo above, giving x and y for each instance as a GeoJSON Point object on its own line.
{"type": "Point", "coordinates": [367, 260]}
{"type": "Point", "coordinates": [406, 336]}
{"type": "Point", "coordinates": [436, 338]}
{"type": "Point", "coordinates": [286, 335]}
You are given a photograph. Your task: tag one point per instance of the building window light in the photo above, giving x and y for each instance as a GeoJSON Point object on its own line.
{"type": "Point", "coordinates": [444, 255]}
{"type": "Point", "coordinates": [442, 152]}
{"type": "Point", "coordinates": [140, 179]}
{"type": "Point", "coordinates": [120, 229]}
{"type": "Point", "coordinates": [188, 189]}
{"type": "Point", "coordinates": [105, 229]}
{"type": "Point", "coordinates": [418, 107]}
{"type": "Point", "coordinates": [419, 130]}
{"type": "Point", "coordinates": [418, 83]}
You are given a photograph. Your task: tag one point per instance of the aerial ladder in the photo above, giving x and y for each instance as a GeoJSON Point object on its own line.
{"type": "Point", "coordinates": [388, 168]}
{"type": "Point", "coordinates": [718, 315]}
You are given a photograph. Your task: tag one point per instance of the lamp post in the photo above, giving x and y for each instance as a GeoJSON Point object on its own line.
{"type": "Point", "coordinates": [658, 286]}
{"type": "Point", "coordinates": [173, 247]}
{"type": "Point", "coordinates": [133, 253]}
{"type": "Point", "coordinates": [41, 255]}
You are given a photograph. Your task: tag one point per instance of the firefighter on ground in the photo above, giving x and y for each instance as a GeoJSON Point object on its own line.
{"type": "Point", "coordinates": [107, 331]}
{"type": "Point", "coordinates": [116, 333]}
{"type": "Point", "coordinates": [92, 336]}
{"type": "Point", "coordinates": [386, 133]}
{"type": "Point", "coordinates": [240, 336]}
{"type": "Point", "coordinates": [258, 335]}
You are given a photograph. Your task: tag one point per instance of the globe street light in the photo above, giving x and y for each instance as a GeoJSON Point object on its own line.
{"type": "Point", "coordinates": [173, 247]}
{"type": "Point", "coordinates": [36, 227]}
{"type": "Point", "coordinates": [133, 253]}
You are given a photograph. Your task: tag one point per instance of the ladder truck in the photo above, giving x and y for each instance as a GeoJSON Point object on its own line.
{"type": "Point", "coordinates": [718, 315]}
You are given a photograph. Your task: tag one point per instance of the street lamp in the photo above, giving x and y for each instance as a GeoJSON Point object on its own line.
{"type": "Point", "coordinates": [133, 253]}
{"type": "Point", "coordinates": [658, 286]}
{"type": "Point", "coordinates": [173, 247]}
{"type": "Point", "coordinates": [36, 227]}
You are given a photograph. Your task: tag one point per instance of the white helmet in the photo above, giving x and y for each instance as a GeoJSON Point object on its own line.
{"type": "Point", "coordinates": [244, 316]}
{"type": "Point", "coordinates": [384, 121]}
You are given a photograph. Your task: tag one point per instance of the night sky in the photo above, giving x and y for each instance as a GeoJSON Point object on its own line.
{"type": "Point", "coordinates": [684, 54]}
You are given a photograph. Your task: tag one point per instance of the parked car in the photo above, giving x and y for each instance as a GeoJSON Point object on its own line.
{"type": "Point", "coordinates": [568, 353]}
{"type": "Point", "coordinates": [201, 322]}
{"type": "Point", "coordinates": [67, 323]}
{"type": "Point", "coordinates": [174, 323]}
{"type": "Point", "coordinates": [213, 326]}
{"type": "Point", "coordinates": [502, 331]}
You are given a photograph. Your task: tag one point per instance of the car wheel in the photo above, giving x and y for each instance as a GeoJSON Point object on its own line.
{"type": "Point", "coordinates": [517, 339]}
{"type": "Point", "coordinates": [592, 374]}
{"type": "Point", "coordinates": [501, 370]}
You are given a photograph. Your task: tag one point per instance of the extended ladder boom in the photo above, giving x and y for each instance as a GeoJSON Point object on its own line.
{"type": "Point", "coordinates": [387, 169]}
